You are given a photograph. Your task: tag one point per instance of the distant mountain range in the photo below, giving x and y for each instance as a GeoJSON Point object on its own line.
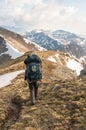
{"type": "Point", "coordinates": [59, 40]}
{"type": "Point", "coordinates": [13, 45]}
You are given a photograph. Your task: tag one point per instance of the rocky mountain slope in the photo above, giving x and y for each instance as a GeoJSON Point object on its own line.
{"type": "Point", "coordinates": [60, 104]}
{"type": "Point", "coordinates": [59, 40]}
{"type": "Point", "coordinates": [13, 45]}
{"type": "Point", "coordinates": [18, 41]}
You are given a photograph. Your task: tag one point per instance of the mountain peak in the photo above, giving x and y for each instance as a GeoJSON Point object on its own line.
{"type": "Point", "coordinates": [59, 40]}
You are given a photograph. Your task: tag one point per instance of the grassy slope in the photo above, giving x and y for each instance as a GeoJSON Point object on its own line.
{"type": "Point", "coordinates": [14, 39]}
{"type": "Point", "coordinates": [60, 105]}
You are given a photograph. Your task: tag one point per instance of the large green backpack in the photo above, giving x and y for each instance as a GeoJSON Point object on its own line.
{"type": "Point", "coordinates": [34, 71]}
{"type": "Point", "coordinates": [34, 68]}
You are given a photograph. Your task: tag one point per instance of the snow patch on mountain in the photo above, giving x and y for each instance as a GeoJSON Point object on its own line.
{"type": "Point", "coordinates": [55, 59]}
{"type": "Point", "coordinates": [27, 40]}
{"type": "Point", "coordinates": [83, 42]}
{"type": "Point", "coordinates": [58, 58]}
{"type": "Point", "coordinates": [36, 45]}
{"type": "Point", "coordinates": [59, 40]}
{"type": "Point", "coordinates": [1, 36]}
{"type": "Point", "coordinates": [83, 59]}
{"type": "Point", "coordinates": [70, 62]}
{"type": "Point", "coordinates": [6, 79]}
{"type": "Point", "coordinates": [57, 55]}
{"type": "Point", "coordinates": [14, 53]}
{"type": "Point", "coordinates": [52, 59]}
{"type": "Point", "coordinates": [39, 47]}
{"type": "Point", "coordinates": [74, 65]}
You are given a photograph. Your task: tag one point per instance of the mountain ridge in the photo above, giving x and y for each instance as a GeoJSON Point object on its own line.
{"type": "Point", "coordinates": [59, 40]}
{"type": "Point", "coordinates": [13, 45]}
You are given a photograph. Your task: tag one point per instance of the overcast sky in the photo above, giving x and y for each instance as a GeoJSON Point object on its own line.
{"type": "Point", "coordinates": [69, 15]}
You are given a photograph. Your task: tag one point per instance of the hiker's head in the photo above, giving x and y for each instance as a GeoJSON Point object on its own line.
{"type": "Point", "coordinates": [33, 54]}
{"type": "Point", "coordinates": [28, 55]}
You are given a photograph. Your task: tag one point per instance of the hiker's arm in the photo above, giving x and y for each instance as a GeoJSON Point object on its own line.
{"type": "Point", "coordinates": [25, 61]}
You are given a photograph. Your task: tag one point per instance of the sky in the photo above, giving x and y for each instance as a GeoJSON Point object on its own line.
{"type": "Point", "coordinates": [26, 15]}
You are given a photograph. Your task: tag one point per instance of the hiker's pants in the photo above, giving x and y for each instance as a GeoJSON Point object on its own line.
{"type": "Point", "coordinates": [35, 85]}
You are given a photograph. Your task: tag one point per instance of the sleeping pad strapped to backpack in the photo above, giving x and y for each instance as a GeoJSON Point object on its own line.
{"type": "Point", "coordinates": [33, 67]}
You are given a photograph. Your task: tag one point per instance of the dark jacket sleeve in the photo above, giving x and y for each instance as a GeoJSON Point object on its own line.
{"type": "Point", "coordinates": [25, 76]}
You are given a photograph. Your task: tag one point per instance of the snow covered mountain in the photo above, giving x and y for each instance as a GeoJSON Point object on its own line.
{"type": "Point", "coordinates": [59, 40]}
{"type": "Point", "coordinates": [13, 45]}
{"type": "Point", "coordinates": [6, 48]}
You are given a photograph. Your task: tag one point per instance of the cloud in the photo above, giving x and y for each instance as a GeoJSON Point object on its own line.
{"type": "Point", "coordinates": [38, 14]}
{"type": "Point", "coordinates": [68, 11]}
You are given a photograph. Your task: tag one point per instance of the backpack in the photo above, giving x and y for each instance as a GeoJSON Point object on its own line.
{"type": "Point", "coordinates": [34, 69]}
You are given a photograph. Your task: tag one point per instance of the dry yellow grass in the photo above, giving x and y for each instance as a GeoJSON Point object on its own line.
{"type": "Point", "coordinates": [61, 104]}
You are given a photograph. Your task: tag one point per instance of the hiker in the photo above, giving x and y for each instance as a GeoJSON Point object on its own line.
{"type": "Point", "coordinates": [33, 74]}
